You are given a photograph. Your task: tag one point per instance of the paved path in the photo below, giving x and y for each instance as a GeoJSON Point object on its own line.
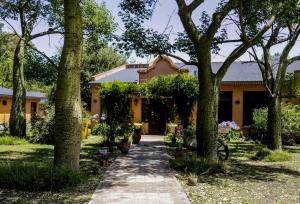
{"type": "Point", "coordinates": [141, 177]}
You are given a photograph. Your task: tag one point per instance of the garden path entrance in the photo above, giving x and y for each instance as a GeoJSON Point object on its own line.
{"type": "Point", "coordinates": [141, 177]}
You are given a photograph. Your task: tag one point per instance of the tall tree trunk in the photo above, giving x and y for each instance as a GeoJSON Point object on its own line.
{"type": "Point", "coordinates": [274, 123]}
{"type": "Point", "coordinates": [68, 115]}
{"type": "Point", "coordinates": [207, 114]}
{"type": "Point", "coordinates": [17, 121]}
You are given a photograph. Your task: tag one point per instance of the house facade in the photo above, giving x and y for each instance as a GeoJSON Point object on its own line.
{"type": "Point", "coordinates": [33, 100]}
{"type": "Point", "coordinates": [241, 91]}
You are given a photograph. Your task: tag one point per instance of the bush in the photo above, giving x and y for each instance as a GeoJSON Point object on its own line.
{"type": "Point", "coordinates": [24, 176]}
{"type": "Point", "coordinates": [272, 156]}
{"type": "Point", "coordinates": [9, 140]}
{"type": "Point", "coordinates": [102, 129]}
{"type": "Point", "coordinates": [290, 122]}
{"type": "Point", "coordinates": [197, 165]}
{"type": "Point", "coordinates": [43, 127]}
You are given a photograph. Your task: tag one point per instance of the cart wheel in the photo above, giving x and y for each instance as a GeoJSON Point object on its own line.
{"type": "Point", "coordinates": [223, 150]}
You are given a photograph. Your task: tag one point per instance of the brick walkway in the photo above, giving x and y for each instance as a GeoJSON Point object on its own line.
{"type": "Point", "coordinates": [141, 177]}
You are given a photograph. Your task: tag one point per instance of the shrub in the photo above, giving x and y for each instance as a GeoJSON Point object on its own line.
{"type": "Point", "coordinates": [272, 156]}
{"type": "Point", "coordinates": [9, 140]}
{"type": "Point", "coordinates": [24, 176]}
{"type": "Point", "coordinates": [290, 122]}
{"type": "Point", "coordinates": [43, 127]}
{"type": "Point", "coordinates": [197, 165]}
{"type": "Point", "coordinates": [102, 129]}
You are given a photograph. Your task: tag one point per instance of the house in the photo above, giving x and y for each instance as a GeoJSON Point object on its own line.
{"type": "Point", "coordinates": [33, 100]}
{"type": "Point", "coordinates": [241, 91]}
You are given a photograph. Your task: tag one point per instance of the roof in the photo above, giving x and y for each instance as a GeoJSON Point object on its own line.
{"type": "Point", "coordinates": [239, 72]}
{"type": "Point", "coordinates": [29, 94]}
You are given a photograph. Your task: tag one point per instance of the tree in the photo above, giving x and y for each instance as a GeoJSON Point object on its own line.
{"type": "Point", "coordinates": [198, 41]}
{"type": "Point", "coordinates": [285, 30]}
{"type": "Point", "coordinates": [7, 46]}
{"type": "Point", "coordinates": [68, 115]}
{"type": "Point", "coordinates": [94, 62]}
{"type": "Point", "coordinates": [98, 24]}
{"type": "Point", "coordinates": [28, 13]}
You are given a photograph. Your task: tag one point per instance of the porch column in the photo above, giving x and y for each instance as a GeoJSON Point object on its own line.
{"type": "Point", "coordinates": [237, 106]}
{"type": "Point", "coordinates": [95, 103]}
{"type": "Point", "coordinates": [136, 109]}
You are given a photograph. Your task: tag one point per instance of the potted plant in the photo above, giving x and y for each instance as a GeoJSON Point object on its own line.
{"type": "Point", "coordinates": [137, 133]}
{"type": "Point", "coordinates": [125, 131]}
{"type": "Point", "coordinates": [124, 145]}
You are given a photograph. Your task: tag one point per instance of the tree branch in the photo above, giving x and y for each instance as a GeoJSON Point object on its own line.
{"type": "Point", "coordinates": [217, 19]}
{"type": "Point", "coordinates": [273, 36]}
{"type": "Point", "coordinates": [262, 67]}
{"type": "Point", "coordinates": [293, 59]}
{"type": "Point", "coordinates": [181, 59]}
{"type": "Point", "coordinates": [236, 53]}
{"type": "Point", "coordinates": [192, 6]}
{"type": "Point", "coordinates": [283, 61]}
{"type": "Point", "coordinates": [48, 32]}
{"type": "Point", "coordinates": [187, 22]}
{"type": "Point", "coordinates": [44, 55]}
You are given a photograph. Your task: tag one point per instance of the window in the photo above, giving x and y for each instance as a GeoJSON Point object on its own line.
{"type": "Point", "coordinates": [4, 102]}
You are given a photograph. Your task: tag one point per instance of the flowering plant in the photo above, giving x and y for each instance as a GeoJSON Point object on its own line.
{"type": "Point", "coordinates": [230, 124]}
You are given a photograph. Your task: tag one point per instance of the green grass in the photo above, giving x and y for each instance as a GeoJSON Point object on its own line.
{"type": "Point", "coordinates": [195, 165]}
{"type": "Point", "coordinates": [35, 177]}
{"type": "Point", "coordinates": [272, 156]}
{"type": "Point", "coordinates": [39, 155]}
{"type": "Point", "coordinates": [9, 140]}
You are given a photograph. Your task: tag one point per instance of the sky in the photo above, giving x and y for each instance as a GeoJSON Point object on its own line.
{"type": "Point", "coordinates": [166, 11]}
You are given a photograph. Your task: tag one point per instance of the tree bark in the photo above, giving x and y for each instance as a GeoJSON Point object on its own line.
{"type": "Point", "coordinates": [17, 121]}
{"type": "Point", "coordinates": [68, 115]}
{"type": "Point", "coordinates": [274, 123]}
{"type": "Point", "coordinates": [207, 113]}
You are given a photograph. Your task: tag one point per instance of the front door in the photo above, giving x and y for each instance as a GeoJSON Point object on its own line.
{"type": "Point", "coordinates": [156, 115]}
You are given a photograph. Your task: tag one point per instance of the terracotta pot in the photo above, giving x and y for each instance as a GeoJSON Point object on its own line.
{"type": "Point", "coordinates": [124, 146]}
{"type": "Point", "coordinates": [178, 152]}
{"type": "Point", "coordinates": [137, 135]}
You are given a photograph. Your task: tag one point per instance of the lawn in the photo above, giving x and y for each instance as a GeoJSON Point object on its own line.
{"type": "Point", "coordinates": [41, 154]}
{"type": "Point", "coordinates": [248, 181]}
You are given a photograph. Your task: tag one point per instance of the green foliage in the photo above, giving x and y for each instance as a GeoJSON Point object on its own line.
{"type": "Point", "coordinates": [290, 118]}
{"type": "Point", "coordinates": [38, 69]}
{"type": "Point", "coordinates": [94, 62]}
{"type": "Point", "coordinates": [97, 24]}
{"type": "Point", "coordinates": [7, 46]}
{"type": "Point", "coordinates": [180, 90]}
{"type": "Point", "coordinates": [278, 156]}
{"type": "Point", "coordinates": [33, 177]}
{"type": "Point", "coordinates": [101, 129]}
{"type": "Point", "coordinates": [43, 127]}
{"type": "Point", "coordinates": [198, 165]}
{"type": "Point", "coordinates": [116, 100]}
{"type": "Point", "coordinates": [272, 156]}
{"type": "Point", "coordinates": [9, 140]}
{"type": "Point", "coordinates": [290, 86]}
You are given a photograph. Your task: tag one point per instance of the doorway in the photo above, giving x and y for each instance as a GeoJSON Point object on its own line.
{"type": "Point", "coordinates": [155, 113]}
{"type": "Point", "coordinates": [225, 106]}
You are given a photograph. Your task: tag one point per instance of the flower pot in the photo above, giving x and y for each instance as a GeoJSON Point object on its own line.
{"type": "Point", "coordinates": [178, 152]}
{"type": "Point", "coordinates": [137, 135]}
{"type": "Point", "coordinates": [124, 146]}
